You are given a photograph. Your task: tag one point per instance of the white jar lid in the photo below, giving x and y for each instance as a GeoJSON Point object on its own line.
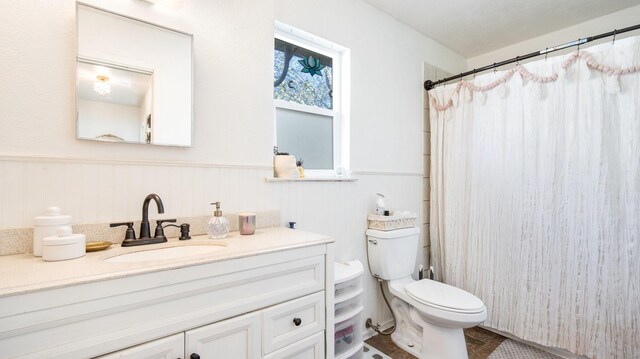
{"type": "Point", "coordinates": [53, 217]}
{"type": "Point", "coordinates": [64, 236]}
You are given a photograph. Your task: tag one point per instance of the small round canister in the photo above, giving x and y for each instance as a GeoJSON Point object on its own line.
{"type": "Point", "coordinates": [64, 245]}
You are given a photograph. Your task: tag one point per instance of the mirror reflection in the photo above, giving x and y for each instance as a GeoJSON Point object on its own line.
{"type": "Point", "coordinates": [134, 80]}
{"type": "Point", "coordinates": [114, 104]}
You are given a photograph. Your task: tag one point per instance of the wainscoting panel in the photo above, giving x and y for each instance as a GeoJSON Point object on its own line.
{"type": "Point", "coordinates": [109, 191]}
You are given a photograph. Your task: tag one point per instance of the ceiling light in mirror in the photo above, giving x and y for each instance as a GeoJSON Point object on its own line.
{"type": "Point", "coordinates": [101, 85]}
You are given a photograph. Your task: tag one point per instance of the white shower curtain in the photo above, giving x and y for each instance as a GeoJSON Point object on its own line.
{"type": "Point", "coordinates": [536, 198]}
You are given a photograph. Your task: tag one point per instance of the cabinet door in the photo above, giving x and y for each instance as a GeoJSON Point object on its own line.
{"type": "Point", "coordinates": [166, 348]}
{"type": "Point", "coordinates": [237, 338]}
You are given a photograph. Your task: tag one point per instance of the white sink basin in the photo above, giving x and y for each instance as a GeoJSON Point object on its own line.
{"type": "Point", "coordinates": [160, 254]}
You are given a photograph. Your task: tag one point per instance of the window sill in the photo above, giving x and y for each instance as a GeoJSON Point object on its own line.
{"type": "Point", "coordinates": [312, 179]}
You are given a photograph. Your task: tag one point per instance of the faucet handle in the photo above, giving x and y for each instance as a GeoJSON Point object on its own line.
{"type": "Point", "coordinates": [130, 234]}
{"type": "Point", "coordinates": [159, 230]}
{"type": "Point", "coordinates": [161, 221]}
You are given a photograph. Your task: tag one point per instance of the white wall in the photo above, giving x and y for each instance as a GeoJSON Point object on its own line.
{"type": "Point", "coordinates": [617, 20]}
{"type": "Point", "coordinates": [42, 163]}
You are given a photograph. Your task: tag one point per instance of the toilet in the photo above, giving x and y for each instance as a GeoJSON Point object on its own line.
{"type": "Point", "coordinates": [429, 315]}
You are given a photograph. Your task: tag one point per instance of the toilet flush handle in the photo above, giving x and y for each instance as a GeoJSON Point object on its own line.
{"type": "Point", "coordinates": [373, 241]}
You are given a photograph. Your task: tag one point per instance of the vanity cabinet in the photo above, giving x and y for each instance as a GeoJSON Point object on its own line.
{"type": "Point", "coordinates": [271, 305]}
{"type": "Point", "coordinates": [294, 329]}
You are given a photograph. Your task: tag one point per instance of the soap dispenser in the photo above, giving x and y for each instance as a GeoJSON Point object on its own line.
{"type": "Point", "coordinates": [380, 207]}
{"type": "Point", "coordinates": [218, 226]}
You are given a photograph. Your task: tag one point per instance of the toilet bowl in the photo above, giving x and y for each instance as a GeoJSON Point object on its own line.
{"type": "Point", "coordinates": [429, 315]}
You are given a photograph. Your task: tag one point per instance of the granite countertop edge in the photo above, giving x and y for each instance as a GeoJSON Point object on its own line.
{"type": "Point", "coordinates": [24, 273]}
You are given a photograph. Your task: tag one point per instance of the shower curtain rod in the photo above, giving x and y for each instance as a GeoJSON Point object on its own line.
{"type": "Point", "coordinates": [428, 85]}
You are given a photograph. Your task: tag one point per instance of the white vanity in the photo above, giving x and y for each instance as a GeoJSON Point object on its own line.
{"type": "Point", "coordinates": [259, 296]}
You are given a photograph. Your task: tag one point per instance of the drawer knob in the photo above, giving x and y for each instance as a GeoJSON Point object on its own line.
{"type": "Point", "coordinates": [194, 356]}
{"type": "Point", "coordinates": [297, 321]}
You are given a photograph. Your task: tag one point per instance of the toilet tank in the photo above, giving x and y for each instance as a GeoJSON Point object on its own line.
{"type": "Point", "coordinates": [392, 254]}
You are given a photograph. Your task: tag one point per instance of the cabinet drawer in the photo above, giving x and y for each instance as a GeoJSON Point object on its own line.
{"type": "Point", "coordinates": [289, 322]}
{"type": "Point", "coordinates": [307, 348]}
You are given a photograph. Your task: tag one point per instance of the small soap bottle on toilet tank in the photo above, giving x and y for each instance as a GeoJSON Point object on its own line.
{"type": "Point", "coordinates": [218, 226]}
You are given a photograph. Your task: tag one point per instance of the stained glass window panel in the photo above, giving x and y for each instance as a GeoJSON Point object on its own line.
{"type": "Point", "coordinates": [308, 78]}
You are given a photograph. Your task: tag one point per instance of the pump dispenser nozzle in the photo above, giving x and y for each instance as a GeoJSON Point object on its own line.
{"type": "Point", "coordinates": [217, 212]}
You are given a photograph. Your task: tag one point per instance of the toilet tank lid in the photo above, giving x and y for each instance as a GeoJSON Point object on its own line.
{"type": "Point", "coordinates": [394, 233]}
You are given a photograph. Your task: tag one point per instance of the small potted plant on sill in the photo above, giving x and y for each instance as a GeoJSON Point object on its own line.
{"type": "Point", "coordinates": [300, 169]}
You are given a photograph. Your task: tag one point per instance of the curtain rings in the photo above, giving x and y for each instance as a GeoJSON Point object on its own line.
{"type": "Point", "coordinates": [546, 53]}
{"type": "Point", "coordinates": [615, 31]}
{"type": "Point", "coordinates": [517, 61]}
{"type": "Point", "coordinates": [494, 67]}
{"type": "Point", "coordinates": [474, 74]}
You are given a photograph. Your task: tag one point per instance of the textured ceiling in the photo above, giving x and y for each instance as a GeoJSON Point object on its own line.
{"type": "Point", "coordinates": [474, 27]}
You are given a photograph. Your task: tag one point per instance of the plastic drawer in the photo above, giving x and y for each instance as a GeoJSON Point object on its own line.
{"type": "Point", "coordinates": [349, 305]}
{"type": "Point", "coordinates": [357, 352]}
{"type": "Point", "coordinates": [357, 355]}
{"type": "Point", "coordinates": [348, 334]}
{"type": "Point", "coordinates": [347, 290]}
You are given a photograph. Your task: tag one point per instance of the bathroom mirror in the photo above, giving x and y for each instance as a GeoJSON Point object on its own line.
{"type": "Point", "coordinates": [134, 80]}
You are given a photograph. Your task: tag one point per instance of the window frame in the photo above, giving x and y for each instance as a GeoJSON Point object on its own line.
{"type": "Point", "coordinates": [338, 54]}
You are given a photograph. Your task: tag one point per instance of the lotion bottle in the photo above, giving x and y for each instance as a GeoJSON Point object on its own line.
{"type": "Point", "coordinates": [380, 207]}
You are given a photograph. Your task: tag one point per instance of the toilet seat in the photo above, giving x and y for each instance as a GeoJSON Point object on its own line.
{"type": "Point", "coordinates": [440, 313]}
{"type": "Point", "coordinates": [444, 297]}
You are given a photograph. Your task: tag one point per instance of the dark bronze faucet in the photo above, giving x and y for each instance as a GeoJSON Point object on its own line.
{"type": "Point", "coordinates": [145, 231]}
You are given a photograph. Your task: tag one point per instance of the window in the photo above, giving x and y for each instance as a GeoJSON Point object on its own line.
{"type": "Point", "coordinates": [309, 96]}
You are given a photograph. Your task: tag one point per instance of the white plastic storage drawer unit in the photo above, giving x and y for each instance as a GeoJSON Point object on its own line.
{"type": "Point", "coordinates": [348, 310]}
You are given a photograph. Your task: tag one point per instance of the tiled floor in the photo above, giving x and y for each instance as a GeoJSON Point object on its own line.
{"type": "Point", "coordinates": [480, 343]}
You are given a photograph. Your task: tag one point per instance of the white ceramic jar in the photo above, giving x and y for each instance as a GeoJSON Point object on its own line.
{"type": "Point", "coordinates": [46, 226]}
{"type": "Point", "coordinates": [64, 245]}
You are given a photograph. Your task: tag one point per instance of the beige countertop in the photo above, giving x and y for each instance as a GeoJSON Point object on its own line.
{"type": "Point", "coordinates": [25, 273]}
